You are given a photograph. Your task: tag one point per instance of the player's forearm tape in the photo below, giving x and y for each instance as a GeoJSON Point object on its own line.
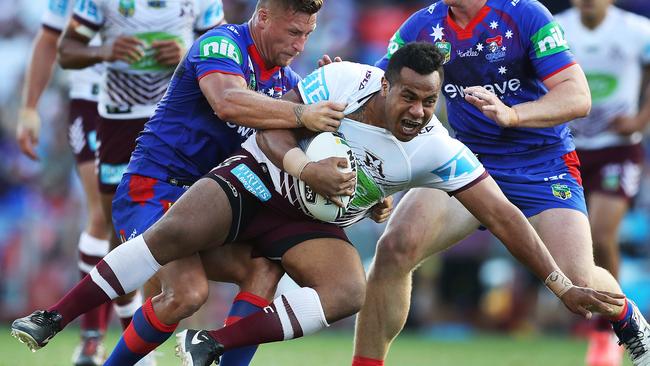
{"type": "Point", "coordinates": [30, 119]}
{"type": "Point", "coordinates": [85, 31]}
{"type": "Point", "coordinates": [558, 283]}
{"type": "Point", "coordinates": [295, 161]}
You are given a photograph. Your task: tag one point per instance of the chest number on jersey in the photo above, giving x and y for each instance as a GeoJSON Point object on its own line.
{"type": "Point", "coordinates": [463, 163]}
{"type": "Point", "coordinates": [220, 47]}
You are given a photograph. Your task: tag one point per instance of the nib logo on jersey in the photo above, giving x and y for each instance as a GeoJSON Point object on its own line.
{"type": "Point", "coordinates": [549, 40]}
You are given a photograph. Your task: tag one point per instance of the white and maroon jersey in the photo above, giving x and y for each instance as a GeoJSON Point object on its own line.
{"type": "Point", "coordinates": [131, 91]}
{"type": "Point", "coordinates": [612, 56]}
{"type": "Point", "coordinates": [385, 165]}
{"type": "Point", "coordinates": [84, 83]}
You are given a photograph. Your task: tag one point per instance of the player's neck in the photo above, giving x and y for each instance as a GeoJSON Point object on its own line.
{"type": "Point", "coordinates": [257, 42]}
{"type": "Point", "coordinates": [592, 22]}
{"type": "Point", "coordinates": [368, 113]}
{"type": "Point", "coordinates": [464, 13]}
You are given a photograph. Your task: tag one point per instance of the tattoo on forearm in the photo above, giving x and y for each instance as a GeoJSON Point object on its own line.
{"type": "Point", "coordinates": [298, 111]}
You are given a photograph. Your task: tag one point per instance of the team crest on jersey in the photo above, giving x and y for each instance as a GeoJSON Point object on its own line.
{"type": "Point", "coordinates": [496, 48]}
{"type": "Point", "coordinates": [126, 8]}
{"type": "Point", "coordinates": [220, 47]}
{"type": "Point", "coordinates": [445, 50]}
{"type": "Point", "coordinates": [561, 191]}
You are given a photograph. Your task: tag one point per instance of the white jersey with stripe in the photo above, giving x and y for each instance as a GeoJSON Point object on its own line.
{"type": "Point", "coordinates": [84, 83]}
{"type": "Point", "coordinates": [131, 91]}
{"type": "Point", "coordinates": [385, 165]}
{"type": "Point", "coordinates": [612, 56]}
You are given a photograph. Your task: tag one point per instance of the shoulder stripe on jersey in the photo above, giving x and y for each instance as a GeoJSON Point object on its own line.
{"type": "Point", "coordinates": [559, 70]}
{"type": "Point", "coordinates": [52, 29]}
{"type": "Point", "coordinates": [198, 78]}
{"type": "Point", "coordinates": [89, 24]}
{"type": "Point", "coordinates": [470, 184]}
{"type": "Point", "coordinates": [466, 33]}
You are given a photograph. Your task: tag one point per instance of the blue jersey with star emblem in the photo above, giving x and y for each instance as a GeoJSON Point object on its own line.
{"type": "Point", "coordinates": [510, 47]}
{"type": "Point", "coordinates": [184, 138]}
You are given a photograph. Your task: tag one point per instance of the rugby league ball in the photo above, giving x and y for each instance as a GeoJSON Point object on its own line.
{"type": "Point", "coordinates": [323, 146]}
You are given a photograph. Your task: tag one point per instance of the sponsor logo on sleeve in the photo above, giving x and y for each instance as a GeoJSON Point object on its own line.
{"type": "Point", "coordinates": [549, 40]}
{"type": "Point", "coordinates": [463, 163]}
{"type": "Point", "coordinates": [220, 47]}
{"type": "Point", "coordinates": [314, 87]}
{"type": "Point", "coordinates": [396, 42]}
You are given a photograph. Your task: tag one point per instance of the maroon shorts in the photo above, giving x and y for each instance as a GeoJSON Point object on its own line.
{"type": "Point", "coordinates": [116, 139]}
{"type": "Point", "coordinates": [261, 216]}
{"type": "Point", "coordinates": [82, 132]}
{"type": "Point", "coordinates": [613, 170]}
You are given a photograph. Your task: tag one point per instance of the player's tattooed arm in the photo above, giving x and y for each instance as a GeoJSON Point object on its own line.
{"type": "Point", "coordinates": [298, 110]}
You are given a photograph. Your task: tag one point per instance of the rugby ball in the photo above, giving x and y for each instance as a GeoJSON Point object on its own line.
{"type": "Point", "coordinates": [322, 146]}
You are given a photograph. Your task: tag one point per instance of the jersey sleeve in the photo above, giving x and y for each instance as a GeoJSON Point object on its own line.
{"type": "Point", "coordinates": [210, 15]}
{"type": "Point", "coordinates": [642, 25]}
{"type": "Point", "coordinates": [345, 82]}
{"type": "Point", "coordinates": [220, 51]}
{"type": "Point", "coordinates": [89, 12]}
{"type": "Point", "coordinates": [56, 15]}
{"type": "Point", "coordinates": [406, 33]}
{"type": "Point", "coordinates": [292, 78]}
{"type": "Point", "coordinates": [443, 162]}
{"type": "Point", "coordinates": [547, 47]}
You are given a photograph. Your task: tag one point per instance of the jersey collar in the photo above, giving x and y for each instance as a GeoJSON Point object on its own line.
{"type": "Point", "coordinates": [466, 33]}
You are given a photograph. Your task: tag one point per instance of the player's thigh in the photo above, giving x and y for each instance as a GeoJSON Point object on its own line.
{"type": "Point", "coordinates": [605, 214]}
{"type": "Point", "coordinates": [567, 236]}
{"type": "Point", "coordinates": [425, 221]}
{"type": "Point", "coordinates": [234, 263]}
{"type": "Point", "coordinates": [331, 266]}
{"type": "Point", "coordinates": [184, 280]}
{"type": "Point", "coordinates": [200, 218]}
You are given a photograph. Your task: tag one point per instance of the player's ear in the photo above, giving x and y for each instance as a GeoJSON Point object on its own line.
{"type": "Point", "coordinates": [263, 16]}
{"type": "Point", "coordinates": [385, 86]}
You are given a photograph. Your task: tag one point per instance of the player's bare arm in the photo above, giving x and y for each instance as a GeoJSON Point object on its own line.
{"type": "Point", "coordinates": [232, 101]}
{"type": "Point", "coordinates": [568, 98]}
{"type": "Point", "coordinates": [168, 52]}
{"type": "Point", "coordinates": [36, 79]}
{"type": "Point", "coordinates": [488, 204]}
{"type": "Point", "coordinates": [627, 125]}
{"type": "Point", "coordinates": [75, 53]}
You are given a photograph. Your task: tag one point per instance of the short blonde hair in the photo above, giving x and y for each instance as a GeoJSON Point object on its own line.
{"type": "Point", "coordinates": [296, 6]}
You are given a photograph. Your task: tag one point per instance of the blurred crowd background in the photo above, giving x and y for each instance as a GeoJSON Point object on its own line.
{"type": "Point", "coordinates": [474, 286]}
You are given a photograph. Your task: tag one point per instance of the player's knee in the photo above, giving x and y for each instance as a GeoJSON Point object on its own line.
{"type": "Point", "coordinates": [187, 300]}
{"type": "Point", "coordinates": [262, 278]}
{"type": "Point", "coordinates": [397, 253]}
{"type": "Point", "coordinates": [351, 294]}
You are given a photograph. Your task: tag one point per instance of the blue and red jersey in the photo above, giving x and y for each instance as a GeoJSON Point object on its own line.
{"type": "Point", "coordinates": [510, 48]}
{"type": "Point", "coordinates": [185, 139]}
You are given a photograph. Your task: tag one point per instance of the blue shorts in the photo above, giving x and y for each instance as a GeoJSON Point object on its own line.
{"type": "Point", "coordinates": [139, 202]}
{"type": "Point", "coordinates": [536, 188]}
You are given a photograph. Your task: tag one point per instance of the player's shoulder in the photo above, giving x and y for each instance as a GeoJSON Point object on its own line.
{"type": "Point", "coordinates": [436, 10]}
{"type": "Point", "coordinates": [521, 9]}
{"type": "Point", "coordinates": [629, 19]}
{"type": "Point", "coordinates": [225, 41]}
{"type": "Point", "coordinates": [349, 67]}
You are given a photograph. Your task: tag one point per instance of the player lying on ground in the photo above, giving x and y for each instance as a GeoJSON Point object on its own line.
{"type": "Point", "coordinates": [243, 200]}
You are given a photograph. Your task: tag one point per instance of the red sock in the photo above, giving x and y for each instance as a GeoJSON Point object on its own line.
{"type": "Point", "coordinates": [85, 296]}
{"type": "Point", "coordinates": [364, 361]}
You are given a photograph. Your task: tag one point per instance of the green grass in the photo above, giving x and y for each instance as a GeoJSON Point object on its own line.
{"type": "Point", "coordinates": [329, 348]}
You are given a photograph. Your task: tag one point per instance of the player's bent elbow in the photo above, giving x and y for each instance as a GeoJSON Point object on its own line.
{"type": "Point", "coordinates": [225, 106]}
{"type": "Point", "coordinates": [583, 107]}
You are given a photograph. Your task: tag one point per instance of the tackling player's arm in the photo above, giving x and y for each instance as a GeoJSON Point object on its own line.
{"type": "Point", "coordinates": [487, 203]}
{"type": "Point", "coordinates": [75, 53]}
{"type": "Point", "coordinates": [37, 77]}
{"type": "Point", "coordinates": [568, 98]}
{"type": "Point", "coordinates": [232, 101]}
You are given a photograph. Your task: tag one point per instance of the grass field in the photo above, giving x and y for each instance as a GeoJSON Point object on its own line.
{"type": "Point", "coordinates": [328, 348]}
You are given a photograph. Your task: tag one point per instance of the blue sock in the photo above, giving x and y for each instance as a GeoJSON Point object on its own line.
{"type": "Point", "coordinates": [244, 305]}
{"type": "Point", "coordinates": [143, 335]}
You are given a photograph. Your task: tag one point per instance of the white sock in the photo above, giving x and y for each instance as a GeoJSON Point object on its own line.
{"type": "Point", "coordinates": [90, 246]}
{"type": "Point", "coordinates": [126, 268]}
{"type": "Point", "coordinates": [127, 311]}
{"type": "Point", "coordinates": [304, 306]}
